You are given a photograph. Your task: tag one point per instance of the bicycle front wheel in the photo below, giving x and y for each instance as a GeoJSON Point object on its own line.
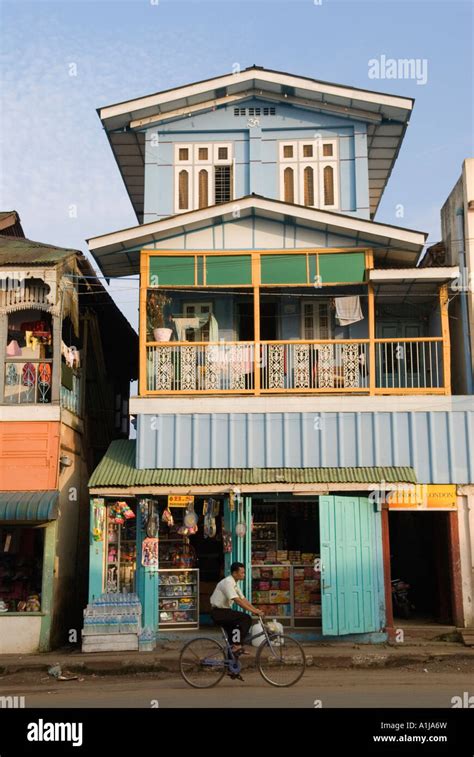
{"type": "Point", "coordinates": [202, 663]}
{"type": "Point", "coordinates": [281, 661]}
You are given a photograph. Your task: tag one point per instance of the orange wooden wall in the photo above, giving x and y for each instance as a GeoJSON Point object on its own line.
{"type": "Point", "coordinates": [29, 455]}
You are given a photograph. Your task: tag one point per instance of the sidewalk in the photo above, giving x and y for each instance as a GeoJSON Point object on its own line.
{"type": "Point", "coordinates": [165, 658]}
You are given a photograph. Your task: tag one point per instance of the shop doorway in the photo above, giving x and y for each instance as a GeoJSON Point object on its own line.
{"type": "Point", "coordinates": [419, 555]}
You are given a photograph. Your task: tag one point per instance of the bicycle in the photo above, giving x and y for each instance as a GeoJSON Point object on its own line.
{"type": "Point", "coordinates": [280, 660]}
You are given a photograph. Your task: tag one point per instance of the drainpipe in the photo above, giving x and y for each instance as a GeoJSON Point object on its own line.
{"type": "Point", "coordinates": [464, 304]}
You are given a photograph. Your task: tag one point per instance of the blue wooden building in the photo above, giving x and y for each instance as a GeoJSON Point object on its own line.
{"type": "Point", "coordinates": [295, 364]}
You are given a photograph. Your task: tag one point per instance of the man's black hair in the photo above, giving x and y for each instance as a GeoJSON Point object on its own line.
{"type": "Point", "coordinates": [235, 566]}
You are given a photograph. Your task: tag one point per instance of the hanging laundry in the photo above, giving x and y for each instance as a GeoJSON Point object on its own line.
{"type": "Point", "coordinates": [348, 310]}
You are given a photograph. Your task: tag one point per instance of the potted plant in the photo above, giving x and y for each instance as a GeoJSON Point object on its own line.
{"type": "Point", "coordinates": [157, 320]}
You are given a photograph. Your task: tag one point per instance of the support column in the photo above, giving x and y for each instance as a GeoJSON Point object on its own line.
{"type": "Point", "coordinates": [454, 553]}
{"type": "Point", "coordinates": [372, 338]}
{"type": "Point", "coordinates": [147, 583]}
{"type": "Point", "coordinates": [256, 320]}
{"type": "Point", "coordinates": [48, 585]}
{"type": "Point", "coordinates": [56, 376]}
{"type": "Point", "coordinates": [387, 573]}
{"type": "Point", "coordinates": [96, 551]}
{"type": "Point", "coordinates": [3, 351]}
{"type": "Point", "coordinates": [443, 308]}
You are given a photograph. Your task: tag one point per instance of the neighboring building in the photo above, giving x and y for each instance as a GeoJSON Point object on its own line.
{"type": "Point", "coordinates": [457, 248]}
{"type": "Point", "coordinates": [67, 358]}
{"type": "Point", "coordinates": [294, 364]}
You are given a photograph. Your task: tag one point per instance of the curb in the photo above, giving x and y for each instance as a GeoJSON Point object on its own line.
{"type": "Point", "coordinates": [171, 664]}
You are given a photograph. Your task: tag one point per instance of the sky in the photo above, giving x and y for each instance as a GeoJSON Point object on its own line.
{"type": "Point", "coordinates": [60, 61]}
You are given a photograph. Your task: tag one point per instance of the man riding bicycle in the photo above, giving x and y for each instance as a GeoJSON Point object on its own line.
{"type": "Point", "coordinates": [235, 623]}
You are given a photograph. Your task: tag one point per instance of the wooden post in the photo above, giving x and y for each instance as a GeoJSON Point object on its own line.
{"type": "Point", "coordinates": [3, 351]}
{"type": "Point", "coordinates": [56, 374]}
{"type": "Point", "coordinates": [370, 289]}
{"type": "Point", "coordinates": [142, 330]}
{"type": "Point", "coordinates": [454, 552]}
{"type": "Point", "coordinates": [256, 319]}
{"type": "Point", "coordinates": [387, 573]}
{"type": "Point", "coordinates": [443, 309]}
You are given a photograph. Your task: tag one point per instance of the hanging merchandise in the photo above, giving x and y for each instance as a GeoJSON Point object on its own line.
{"type": "Point", "coordinates": [150, 552]}
{"type": "Point", "coordinates": [210, 511]}
{"type": "Point", "coordinates": [190, 517]}
{"type": "Point", "coordinates": [98, 523]}
{"type": "Point", "coordinates": [226, 541]}
{"type": "Point", "coordinates": [167, 517]}
{"type": "Point", "coordinates": [120, 512]}
{"type": "Point", "coordinates": [241, 528]}
{"type": "Point", "coordinates": [153, 522]}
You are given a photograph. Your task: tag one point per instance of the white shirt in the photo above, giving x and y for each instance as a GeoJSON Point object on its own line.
{"type": "Point", "coordinates": [225, 593]}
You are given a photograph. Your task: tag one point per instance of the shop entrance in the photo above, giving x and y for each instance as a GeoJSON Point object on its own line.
{"type": "Point", "coordinates": [286, 581]}
{"type": "Point", "coordinates": [419, 555]}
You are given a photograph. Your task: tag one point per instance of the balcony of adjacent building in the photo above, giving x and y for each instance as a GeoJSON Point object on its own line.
{"type": "Point", "coordinates": [40, 368]}
{"type": "Point", "coordinates": [299, 322]}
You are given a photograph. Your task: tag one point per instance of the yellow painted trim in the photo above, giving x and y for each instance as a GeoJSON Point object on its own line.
{"type": "Point", "coordinates": [443, 307]}
{"type": "Point", "coordinates": [371, 324]}
{"type": "Point", "coordinates": [144, 269]}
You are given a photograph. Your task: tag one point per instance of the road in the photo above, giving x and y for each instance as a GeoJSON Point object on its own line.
{"type": "Point", "coordinates": [407, 688]}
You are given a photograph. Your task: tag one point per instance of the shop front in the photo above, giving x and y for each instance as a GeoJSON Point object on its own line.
{"type": "Point", "coordinates": [314, 561]}
{"type": "Point", "coordinates": [27, 547]}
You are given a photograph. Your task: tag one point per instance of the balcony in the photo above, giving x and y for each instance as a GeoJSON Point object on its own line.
{"type": "Point", "coordinates": [300, 322]}
{"type": "Point", "coordinates": [27, 381]}
{"type": "Point", "coordinates": [386, 366]}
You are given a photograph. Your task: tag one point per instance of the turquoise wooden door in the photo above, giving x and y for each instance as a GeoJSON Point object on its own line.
{"type": "Point", "coordinates": [348, 565]}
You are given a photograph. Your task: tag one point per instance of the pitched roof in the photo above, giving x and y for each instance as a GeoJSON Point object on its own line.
{"type": "Point", "coordinates": [117, 469]}
{"type": "Point", "coordinates": [386, 115]}
{"type": "Point", "coordinates": [20, 251]}
{"type": "Point", "coordinates": [116, 256]}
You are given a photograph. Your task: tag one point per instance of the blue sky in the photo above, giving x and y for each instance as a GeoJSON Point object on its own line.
{"type": "Point", "coordinates": [53, 151]}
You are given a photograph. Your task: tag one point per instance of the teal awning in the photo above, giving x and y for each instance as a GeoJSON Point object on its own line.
{"type": "Point", "coordinates": [29, 506]}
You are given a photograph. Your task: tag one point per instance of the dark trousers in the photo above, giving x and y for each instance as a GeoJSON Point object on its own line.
{"type": "Point", "coordinates": [231, 621]}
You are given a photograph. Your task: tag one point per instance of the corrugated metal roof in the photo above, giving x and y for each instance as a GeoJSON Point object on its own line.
{"type": "Point", "coordinates": [30, 506]}
{"type": "Point", "coordinates": [18, 250]}
{"type": "Point", "coordinates": [117, 468]}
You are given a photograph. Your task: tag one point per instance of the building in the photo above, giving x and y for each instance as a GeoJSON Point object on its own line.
{"type": "Point", "coordinates": [295, 387]}
{"type": "Point", "coordinates": [64, 389]}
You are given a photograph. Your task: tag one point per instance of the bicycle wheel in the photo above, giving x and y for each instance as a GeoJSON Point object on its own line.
{"type": "Point", "coordinates": [202, 663]}
{"type": "Point", "coordinates": [281, 661]}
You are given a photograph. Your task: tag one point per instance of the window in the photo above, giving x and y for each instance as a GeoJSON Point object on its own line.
{"type": "Point", "coordinates": [316, 322]}
{"type": "Point", "coordinates": [198, 331]}
{"type": "Point", "coordinates": [308, 186]}
{"type": "Point", "coordinates": [289, 184]}
{"type": "Point", "coordinates": [312, 179]}
{"type": "Point", "coordinates": [222, 184]}
{"type": "Point", "coordinates": [203, 188]}
{"type": "Point", "coordinates": [21, 567]}
{"type": "Point", "coordinates": [183, 203]}
{"type": "Point", "coordinates": [207, 178]}
{"type": "Point", "coordinates": [328, 185]}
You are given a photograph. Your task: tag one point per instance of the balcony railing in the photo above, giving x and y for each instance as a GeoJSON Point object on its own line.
{"type": "Point", "coordinates": [71, 398]}
{"type": "Point", "coordinates": [384, 366]}
{"type": "Point", "coordinates": [409, 364]}
{"type": "Point", "coordinates": [27, 381]}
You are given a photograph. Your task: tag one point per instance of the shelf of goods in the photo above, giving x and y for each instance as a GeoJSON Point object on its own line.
{"type": "Point", "coordinates": [290, 592]}
{"type": "Point", "coordinates": [178, 598]}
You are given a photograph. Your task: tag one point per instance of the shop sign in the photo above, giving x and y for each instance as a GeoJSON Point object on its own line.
{"type": "Point", "coordinates": [184, 500]}
{"type": "Point", "coordinates": [423, 497]}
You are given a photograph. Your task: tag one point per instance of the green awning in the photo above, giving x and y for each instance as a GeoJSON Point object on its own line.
{"type": "Point", "coordinates": [29, 506]}
{"type": "Point", "coordinates": [117, 469]}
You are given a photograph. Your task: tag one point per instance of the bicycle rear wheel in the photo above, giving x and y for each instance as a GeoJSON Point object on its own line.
{"type": "Point", "coordinates": [202, 663]}
{"type": "Point", "coordinates": [281, 661]}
